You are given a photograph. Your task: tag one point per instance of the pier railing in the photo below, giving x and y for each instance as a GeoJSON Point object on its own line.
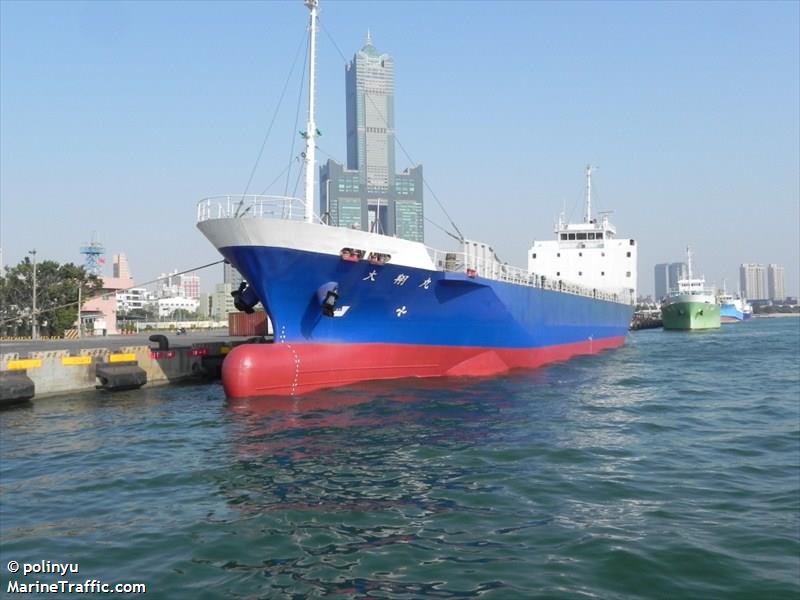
{"type": "Point", "coordinates": [458, 262]}
{"type": "Point", "coordinates": [252, 206]}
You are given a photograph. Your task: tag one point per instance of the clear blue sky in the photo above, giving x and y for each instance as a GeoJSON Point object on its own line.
{"type": "Point", "coordinates": [118, 117]}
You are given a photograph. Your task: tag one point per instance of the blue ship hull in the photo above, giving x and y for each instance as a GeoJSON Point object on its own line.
{"type": "Point", "coordinates": [396, 321]}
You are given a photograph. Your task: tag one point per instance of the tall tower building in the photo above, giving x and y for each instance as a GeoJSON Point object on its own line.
{"type": "Point", "coordinates": [367, 193]}
{"type": "Point", "coordinates": [661, 281]}
{"type": "Point", "coordinates": [775, 283]}
{"type": "Point", "coordinates": [751, 281]}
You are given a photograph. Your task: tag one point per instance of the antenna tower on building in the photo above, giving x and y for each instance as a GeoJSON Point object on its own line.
{"type": "Point", "coordinates": [93, 251]}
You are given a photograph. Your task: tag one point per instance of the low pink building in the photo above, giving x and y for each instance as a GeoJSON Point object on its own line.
{"type": "Point", "coordinates": [99, 315]}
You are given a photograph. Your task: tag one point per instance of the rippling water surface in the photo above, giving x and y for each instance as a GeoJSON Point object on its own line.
{"type": "Point", "coordinates": [669, 468]}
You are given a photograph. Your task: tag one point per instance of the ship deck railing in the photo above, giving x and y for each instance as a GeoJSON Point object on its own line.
{"type": "Point", "coordinates": [458, 262]}
{"type": "Point", "coordinates": [252, 206]}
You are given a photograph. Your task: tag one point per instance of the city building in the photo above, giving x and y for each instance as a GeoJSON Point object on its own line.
{"type": "Point", "coordinates": [222, 302]}
{"type": "Point", "coordinates": [775, 283]}
{"type": "Point", "coordinates": [189, 286]}
{"type": "Point", "coordinates": [99, 315]}
{"type": "Point", "coordinates": [661, 280]}
{"type": "Point", "coordinates": [120, 267]}
{"type": "Point", "coordinates": [675, 272]}
{"type": "Point", "coordinates": [167, 306]}
{"type": "Point", "coordinates": [752, 281]}
{"type": "Point", "coordinates": [133, 299]}
{"type": "Point", "coordinates": [231, 275]}
{"type": "Point", "coordinates": [367, 194]}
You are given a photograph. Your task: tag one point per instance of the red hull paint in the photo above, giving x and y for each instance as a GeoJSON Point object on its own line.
{"type": "Point", "coordinates": [292, 369]}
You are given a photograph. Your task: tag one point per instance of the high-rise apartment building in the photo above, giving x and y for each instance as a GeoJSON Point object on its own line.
{"type": "Point", "coordinates": [367, 193]}
{"type": "Point", "coordinates": [661, 281]}
{"type": "Point", "coordinates": [775, 283]}
{"type": "Point", "coordinates": [751, 281]}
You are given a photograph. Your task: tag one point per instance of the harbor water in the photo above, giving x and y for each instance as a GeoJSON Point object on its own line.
{"type": "Point", "coordinates": [669, 468]}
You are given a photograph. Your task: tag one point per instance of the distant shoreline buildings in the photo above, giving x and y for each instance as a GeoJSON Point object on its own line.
{"type": "Point", "coordinates": [756, 282]}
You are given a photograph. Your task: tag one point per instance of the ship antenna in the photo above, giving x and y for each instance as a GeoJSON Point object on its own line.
{"type": "Point", "coordinates": [588, 217]}
{"type": "Point", "coordinates": [311, 128]}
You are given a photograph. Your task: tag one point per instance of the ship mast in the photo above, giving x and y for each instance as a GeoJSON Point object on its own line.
{"type": "Point", "coordinates": [689, 261]}
{"type": "Point", "coordinates": [311, 127]}
{"type": "Point", "coordinates": [588, 217]}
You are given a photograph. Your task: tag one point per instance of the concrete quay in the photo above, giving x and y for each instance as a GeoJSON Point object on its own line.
{"type": "Point", "coordinates": [38, 369]}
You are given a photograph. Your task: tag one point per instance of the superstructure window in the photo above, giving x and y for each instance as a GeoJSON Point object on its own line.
{"type": "Point", "coordinates": [580, 253]}
{"type": "Point", "coordinates": [628, 255]}
{"type": "Point", "coordinates": [580, 273]}
{"type": "Point", "coordinates": [533, 255]}
{"type": "Point", "coordinates": [628, 274]}
{"type": "Point", "coordinates": [558, 254]}
{"type": "Point", "coordinates": [602, 273]}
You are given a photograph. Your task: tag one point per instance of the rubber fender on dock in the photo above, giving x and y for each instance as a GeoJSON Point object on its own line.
{"type": "Point", "coordinates": [161, 340]}
{"type": "Point", "coordinates": [15, 387]}
{"type": "Point", "coordinates": [120, 377]}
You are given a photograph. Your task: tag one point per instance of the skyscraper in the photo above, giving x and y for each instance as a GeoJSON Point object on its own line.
{"type": "Point", "coordinates": [751, 281]}
{"type": "Point", "coordinates": [775, 283]}
{"type": "Point", "coordinates": [661, 281]}
{"type": "Point", "coordinates": [367, 193]}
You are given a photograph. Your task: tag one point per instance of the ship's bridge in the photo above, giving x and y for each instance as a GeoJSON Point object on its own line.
{"type": "Point", "coordinates": [589, 234]}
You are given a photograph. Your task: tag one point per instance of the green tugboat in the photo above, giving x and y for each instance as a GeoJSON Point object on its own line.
{"type": "Point", "coordinates": [692, 305]}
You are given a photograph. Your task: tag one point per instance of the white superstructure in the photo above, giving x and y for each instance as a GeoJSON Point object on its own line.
{"type": "Point", "coordinates": [588, 253]}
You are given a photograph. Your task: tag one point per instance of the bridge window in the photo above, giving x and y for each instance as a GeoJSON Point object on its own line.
{"type": "Point", "coordinates": [591, 236]}
{"type": "Point", "coordinates": [563, 236]}
{"type": "Point", "coordinates": [572, 236]}
{"type": "Point", "coordinates": [600, 236]}
{"type": "Point", "coordinates": [581, 236]}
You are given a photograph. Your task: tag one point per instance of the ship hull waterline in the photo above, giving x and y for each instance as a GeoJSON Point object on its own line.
{"type": "Point", "coordinates": [252, 370]}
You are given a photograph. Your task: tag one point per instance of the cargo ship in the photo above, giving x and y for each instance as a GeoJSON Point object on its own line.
{"type": "Point", "coordinates": [691, 305]}
{"type": "Point", "coordinates": [348, 305]}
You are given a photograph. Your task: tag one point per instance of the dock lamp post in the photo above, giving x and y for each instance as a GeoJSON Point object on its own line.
{"type": "Point", "coordinates": [34, 323]}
